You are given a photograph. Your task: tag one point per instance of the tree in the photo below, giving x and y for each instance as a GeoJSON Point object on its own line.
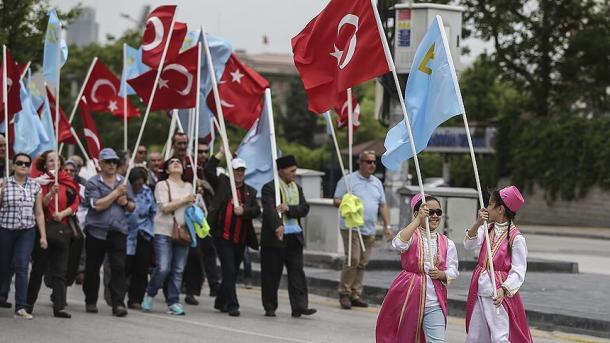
{"type": "Point", "coordinates": [297, 124]}
{"type": "Point", "coordinates": [549, 49]}
{"type": "Point", "coordinates": [23, 24]}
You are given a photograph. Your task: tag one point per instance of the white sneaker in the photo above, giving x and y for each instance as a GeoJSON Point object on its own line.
{"type": "Point", "coordinates": [22, 313]}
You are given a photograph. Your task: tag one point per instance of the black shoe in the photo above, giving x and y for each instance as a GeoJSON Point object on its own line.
{"type": "Point", "coordinates": [119, 311]}
{"type": "Point", "coordinates": [305, 312]}
{"type": "Point", "coordinates": [190, 299]}
{"type": "Point", "coordinates": [61, 314]}
{"type": "Point", "coordinates": [221, 308]}
{"type": "Point", "coordinates": [91, 308]}
{"type": "Point", "coordinates": [214, 291]}
{"type": "Point", "coordinates": [270, 313]}
{"type": "Point", "coordinates": [29, 309]}
{"type": "Point", "coordinates": [345, 302]}
{"type": "Point", "coordinates": [5, 304]}
{"type": "Point", "coordinates": [234, 313]}
{"type": "Point", "coordinates": [359, 303]}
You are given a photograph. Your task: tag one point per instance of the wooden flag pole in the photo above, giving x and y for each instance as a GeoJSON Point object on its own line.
{"type": "Point", "coordinates": [196, 126]}
{"type": "Point", "coordinates": [125, 100]}
{"type": "Point", "coordinates": [168, 144]}
{"type": "Point", "coordinates": [152, 97]}
{"type": "Point", "coordinates": [223, 130]}
{"type": "Point", "coordinates": [5, 101]}
{"type": "Point", "coordinates": [350, 134]}
{"type": "Point", "coordinates": [392, 68]}
{"type": "Point", "coordinates": [59, 35]}
{"type": "Point", "coordinates": [276, 177]}
{"type": "Point", "coordinates": [80, 95]}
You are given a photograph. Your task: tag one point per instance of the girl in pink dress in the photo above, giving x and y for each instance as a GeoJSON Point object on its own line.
{"type": "Point", "coordinates": [415, 307]}
{"type": "Point", "coordinates": [499, 319]}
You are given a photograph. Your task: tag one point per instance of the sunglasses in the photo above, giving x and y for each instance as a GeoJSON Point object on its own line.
{"type": "Point", "coordinates": [203, 151]}
{"type": "Point", "coordinates": [370, 161]}
{"type": "Point", "coordinates": [23, 163]}
{"type": "Point", "coordinates": [437, 211]}
{"type": "Point", "coordinates": [110, 161]}
{"type": "Point", "coordinates": [142, 152]}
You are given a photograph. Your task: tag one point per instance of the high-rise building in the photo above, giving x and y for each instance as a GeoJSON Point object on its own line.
{"type": "Point", "coordinates": [83, 31]}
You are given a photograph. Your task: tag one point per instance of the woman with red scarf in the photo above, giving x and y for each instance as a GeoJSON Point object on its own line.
{"type": "Point", "coordinates": [54, 260]}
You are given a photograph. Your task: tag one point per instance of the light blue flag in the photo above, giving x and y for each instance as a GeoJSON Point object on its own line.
{"type": "Point", "coordinates": [30, 136]}
{"type": "Point", "coordinates": [220, 50]}
{"type": "Point", "coordinates": [329, 122]}
{"type": "Point", "coordinates": [190, 40]}
{"type": "Point", "coordinates": [47, 119]}
{"type": "Point", "coordinates": [52, 44]}
{"type": "Point", "coordinates": [255, 149]}
{"type": "Point", "coordinates": [432, 96]}
{"type": "Point", "coordinates": [132, 67]}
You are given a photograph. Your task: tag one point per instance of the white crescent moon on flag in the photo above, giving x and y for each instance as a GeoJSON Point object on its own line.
{"type": "Point", "coordinates": [226, 104]}
{"type": "Point", "coordinates": [350, 19]}
{"type": "Point", "coordinates": [9, 84]}
{"type": "Point", "coordinates": [97, 85]}
{"type": "Point", "coordinates": [90, 134]}
{"type": "Point", "coordinates": [159, 32]}
{"type": "Point", "coordinates": [182, 70]}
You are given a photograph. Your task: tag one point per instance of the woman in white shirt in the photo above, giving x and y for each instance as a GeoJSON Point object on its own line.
{"type": "Point", "coordinates": [501, 318]}
{"type": "Point", "coordinates": [415, 306]}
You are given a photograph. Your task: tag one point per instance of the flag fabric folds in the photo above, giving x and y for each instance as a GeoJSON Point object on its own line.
{"type": "Point", "coordinates": [241, 90]}
{"type": "Point", "coordinates": [54, 48]}
{"type": "Point", "coordinates": [338, 49]}
{"type": "Point", "coordinates": [90, 131]}
{"type": "Point", "coordinates": [342, 110]}
{"type": "Point", "coordinates": [132, 67]}
{"type": "Point", "coordinates": [177, 87]}
{"type": "Point", "coordinates": [65, 136]}
{"type": "Point", "coordinates": [255, 149]}
{"type": "Point", "coordinates": [156, 34]}
{"type": "Point", "coordinates": [432, 96]}
{"type": "Point", "coordinates": [29, 134]}
{"type": "Point", "coordinates": [101, 92]}
{"type": "Point", "coordinates": [12, 84]}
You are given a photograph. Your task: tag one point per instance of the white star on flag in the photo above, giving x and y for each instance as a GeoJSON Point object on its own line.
{"type": "Point", "coordinates": [337, 54]}
{"type": "Point", "coordinates": [163, 83]}
{"type": "Point", "coordinates": [236, 76]}
{"type": "Point", "coordinates": [112, 106]}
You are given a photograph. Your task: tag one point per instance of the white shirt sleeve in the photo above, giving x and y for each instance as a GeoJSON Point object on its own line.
{"type": "Point", "coordinates": [474, 243]}
{"type": "Point", "coordinates": [398, 244]}
{"type": "Point", "coordinates": [452, 262]}
{"type": "Point", "coordinates": [516, 275]}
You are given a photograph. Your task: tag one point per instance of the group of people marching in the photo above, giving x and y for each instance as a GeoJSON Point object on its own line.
{"type": "Point", "coordinates": [147, 232]}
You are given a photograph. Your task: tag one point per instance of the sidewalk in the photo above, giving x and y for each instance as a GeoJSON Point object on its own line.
{"type": "Point", "coordinates": [567, 231]}
{"type": "Point", "coordinates": [554, 301]}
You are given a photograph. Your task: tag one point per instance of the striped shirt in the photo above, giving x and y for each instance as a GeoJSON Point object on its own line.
{"type": "Point", "coordinates": [17, 211]}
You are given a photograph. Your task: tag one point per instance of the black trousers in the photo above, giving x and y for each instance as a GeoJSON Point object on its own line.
{"type": "Point", "coordinates": [52, 262]}
{"type": "Point", "coordinates": [115, 246]}
{"type": "Point", "coordinates": [136, 270]}
{"type": "Point", "coordinates": [74, 256]}
{"type": "Point", "coordinates": [273, 261]}
{"type": "Point", "coordinates": [201, 262]}
{"type": "Point", "coordinates": [230, 255]}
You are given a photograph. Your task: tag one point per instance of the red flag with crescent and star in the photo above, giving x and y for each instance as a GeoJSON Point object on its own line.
{"type": "Point", "coordinates": [13, 76]}
{"type": "Point", "coordinates": [342, 110]}
{"type": "Point", "coordinates": [338, 49]}
{"type": "Point", "coordinates": [156, 34]}
{"type": "Point", "coordinates": [178, 84]}
{"type": "Point", "coordinates": [102, 93]}
{"type": "Point", "coordinates": [241, 92]}
{"type": "Point", "coordinates": [65, 134]}
{"type": "Point", "coordinates": [90, 131]}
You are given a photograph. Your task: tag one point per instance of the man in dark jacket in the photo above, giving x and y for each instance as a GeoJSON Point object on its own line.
{"type": "Point", "coordinates": [231, 227]}
{"type": "Point", "coordinates": [282, 241]}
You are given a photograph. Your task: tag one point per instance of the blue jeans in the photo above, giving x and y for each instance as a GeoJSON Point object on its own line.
{"type": "Point", "coordinates": [170, 258]}
{"type": "Point", "coordinates": [434, 324]}
{"type": "Point", "coordinates": [16, 246]}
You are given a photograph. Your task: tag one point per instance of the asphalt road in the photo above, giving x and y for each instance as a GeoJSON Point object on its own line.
{"type": "Point", "coordinates": [203, 324]}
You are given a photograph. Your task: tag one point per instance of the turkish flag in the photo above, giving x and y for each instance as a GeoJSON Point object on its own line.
{"type": "Point", "coordinates": [241, 90]}
{"type": "Point", "coordinates": [91, 136]}
{"type": "Point", "coordinates": [342, 109]}
{"type": "Point", "coordinates": [178, 84]}
{"type": "Point", "coordinates": [156, 35]}
{"type": "Point", "coordinates": [101, 93]}
{"type": "Point", "coordinates": [338, 49]}
{"type": "Point", "coordinates": [64, 136]}
{"type": "Point", "coordinates": [12, 84]}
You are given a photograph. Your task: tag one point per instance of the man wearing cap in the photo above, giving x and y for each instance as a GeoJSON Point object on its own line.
{"type": "Point", "coordinates": [231, 225]}
{"type": "Point", "coordinates": [369, 189]}
{"type": "Point", "coordinates": [282, 240]}
{"type": "Point", "coordinates": [106, 230]}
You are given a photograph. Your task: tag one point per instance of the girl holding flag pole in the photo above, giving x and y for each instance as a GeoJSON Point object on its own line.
{"type": "Point", "coordinates": [501, 318]}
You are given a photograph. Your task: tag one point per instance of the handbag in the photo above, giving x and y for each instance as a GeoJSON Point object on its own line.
{"type": "Point", "coordinates": [180, 233]}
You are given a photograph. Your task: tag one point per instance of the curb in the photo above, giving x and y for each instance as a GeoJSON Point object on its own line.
{"type": "Point", "coordinates": [567, 234]}
{"type": "Point", "coordinates": [456, 307]}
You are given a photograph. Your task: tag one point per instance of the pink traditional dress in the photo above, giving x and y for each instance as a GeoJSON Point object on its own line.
{"type": "Point", "coordinates": [413, 291]}
{"type": "Point", "coordinates": [483, 323]}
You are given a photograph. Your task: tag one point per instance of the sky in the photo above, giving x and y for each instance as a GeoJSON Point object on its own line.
{"type": "Point", "coordinates": [242, 22]}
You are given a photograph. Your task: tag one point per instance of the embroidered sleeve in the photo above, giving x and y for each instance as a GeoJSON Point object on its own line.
{"type": "Point", "coordinates": [398, 243]}
{"type": "Point", "coordinates": [452, 262]}
{"type": "Point", "coordinates": [516, 275]}
{"type": "Point", "coordinates": [473, 243]}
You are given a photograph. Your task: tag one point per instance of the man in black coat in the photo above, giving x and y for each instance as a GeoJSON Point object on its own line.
{"type": "Point", "coordinates": [231, 227]}
{"type": "Point", "coordinates": [282, 241]}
